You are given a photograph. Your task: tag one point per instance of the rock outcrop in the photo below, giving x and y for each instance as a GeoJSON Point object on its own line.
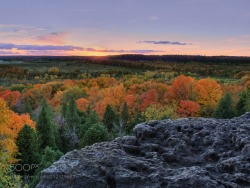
{"type": "Point", "coordinates": [187, 152]}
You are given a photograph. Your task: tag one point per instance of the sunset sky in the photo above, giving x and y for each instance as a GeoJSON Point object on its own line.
{"type": "Point", "coordinates": [110, 27]}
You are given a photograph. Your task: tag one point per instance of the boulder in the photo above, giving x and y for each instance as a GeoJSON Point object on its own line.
{"type": "Point", "coordinates": [187, 152]}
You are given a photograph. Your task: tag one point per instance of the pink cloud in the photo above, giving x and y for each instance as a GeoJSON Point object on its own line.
{"type": "Point", "coordinates": [56, 38]}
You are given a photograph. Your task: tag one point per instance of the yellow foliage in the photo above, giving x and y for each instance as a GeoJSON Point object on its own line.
{"type": "Point", "coordinates": [10, 124]}
{"type": "Point", "coordinates": [156, 112]}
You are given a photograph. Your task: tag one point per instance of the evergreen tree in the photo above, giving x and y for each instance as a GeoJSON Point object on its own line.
{"type": "Point", "coordinates": [90, 120]}
{"type": "Point", "coordinates": [243, 104]}
{"type": "Point", "coordinates": [72, 118]}
{"type": "Point", "coordinates": [49, 109]}
{"type": "Point", "coordinates": [96, 133]}
{"type": "Point", "coordinates": [51, 116]}
{"type": "Point", "coordinates": [72, 129]}
{"type": "Point", "coordinates": [85, 115]}
{"type": "Point", "coordinates": [28, 147]}
{"type": "Point", "coordinates": [109, 118]}
{"type": "Point", "coordinates": [225, 108]}
{"type": "Point", "coordinates": [45, 128]}
{"type": "Point", "coordinates": [28, 109]}
{"type": "Point", "coordinates": [64, 109]}
{"type": "Point", "coordinates": [48, 158]}
{"type": "Point", "coordinates": [125, 113]}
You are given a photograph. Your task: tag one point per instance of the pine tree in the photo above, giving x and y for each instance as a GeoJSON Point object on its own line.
{"type": "Point", "coordinates": [90, 120]}
{"type": "Point", "coordinates": [72, 129]}
{"type": "Point", "coordinates": [96, 133]}
{"type": "Point", "coordinates": [64, 109]}
{"type": "Point", "coordinates": [225, 108]}
{"type": "Point", "coordinates": [125, 113]}
{"type": "Point", "coordinates": [48, 158]}
{"type": "Point", "coordinates": [45, 128]}
{"type": "Point", "coordinates": [72, 118]}
{"type": "Point", "coordinates": [28, 109]}
{"type": "Point", "coordinates": [28, 147]}
{"type": "Point", "coordinates": [109, 118]}
{"type": "Point", "coordinates": [243, 104]}
{"type": "Point", "coordinates": [49, 109]}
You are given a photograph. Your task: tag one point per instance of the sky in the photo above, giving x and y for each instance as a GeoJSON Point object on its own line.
{"type": "Point", "coordinates": [111, 27]}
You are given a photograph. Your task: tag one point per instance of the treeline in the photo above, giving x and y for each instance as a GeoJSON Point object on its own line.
{"type": "Point", "coordinates": [220, 66]}
{"type": "Point", "coordinates": [135, 57]}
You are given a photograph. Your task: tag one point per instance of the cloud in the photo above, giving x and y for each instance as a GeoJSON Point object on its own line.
{"type": "Point", "coordinates": [8, 53]}
{"type": "Point", "coordinates": [38, 47]}
{"type": "Point", "coordinates": [20, 28]}
{"type": "Point", "coordinates": [121, 51]}
{"type": "Point", "coordinates": [52, 38]}
{"type": "Point", "coordinates": [162, 42]}
{"type": "Point", "coordinates": [66, 48]}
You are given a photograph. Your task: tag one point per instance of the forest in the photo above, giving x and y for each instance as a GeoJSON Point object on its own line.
{"type": "Point", "coordinates": [52, 105]}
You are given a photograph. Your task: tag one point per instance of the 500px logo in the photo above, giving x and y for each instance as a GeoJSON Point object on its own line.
{"type": "Point", "coordinates": [23, 167]}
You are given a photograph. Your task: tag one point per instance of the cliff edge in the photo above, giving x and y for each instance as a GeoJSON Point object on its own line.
{"type": "Point", "coordinates": [187, 152]}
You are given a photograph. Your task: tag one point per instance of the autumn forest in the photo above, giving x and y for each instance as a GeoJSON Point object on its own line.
{"type": "Point", "coordinates": [52, 105]}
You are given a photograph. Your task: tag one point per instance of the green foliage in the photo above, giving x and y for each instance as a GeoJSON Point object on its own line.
{"type": "Point", "coordinates": [48, 108]}
{"type": "Point", "coordinates": [45, 128]}
{"type": "Point", "coordinates": [28, 146]}
{"type": "Point", "coordinates": [7, 177]}
{"type": "Point", "coordinates": [125, 113]}
{"type": "Point", "coordinates": [91, 118]}
{"type": "Point", "coordinates": [72, 118]}
{"type": "Point", "coordinates": [17, 87]}
{"type": "Point", "coordinates": [73, 92]}
{"type": "Point", "coordinates": [64, 109]}
{"type": "Point", "coordinates": [243, 105]}
{"type": "Point", "coordinates": [96, 133]}
{"type": "Point", "coordinates": [28, 108]}
{"type": "Point", "coordinates": [109, 118]}
{"type": "Point", "coordinates": [71, 131]}
{"type": "Point", "coordinates": [225, 108]}
{"type": "Point", "coordinates": [48, 158]}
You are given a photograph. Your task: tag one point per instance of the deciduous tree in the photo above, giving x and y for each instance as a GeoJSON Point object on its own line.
{"type": "Point", "coordinates": [188, 109]}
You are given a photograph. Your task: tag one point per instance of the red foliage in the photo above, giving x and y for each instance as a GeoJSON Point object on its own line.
{"type": "Point", "coordinates": [189, 109]}
{"type": "Point", "coordinates": [11, 97]}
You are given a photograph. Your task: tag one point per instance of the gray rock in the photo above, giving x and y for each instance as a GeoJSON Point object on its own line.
{"type": "Point", "coordinates": [188, 152]}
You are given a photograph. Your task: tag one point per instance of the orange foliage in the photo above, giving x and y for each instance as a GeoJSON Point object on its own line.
{"type": "Point", "coordinates": [150, 97]}
{"type": "Point", "coordinates": [113, 96]}
{"type": "Point", "coordinates": [16, 122]}
{"type": "Point", "coordinates": [11, 97]}
{"type": "Point", "coordinates": [181, 89]}
{"type": "Point", "coordinates": [188, 109]}
{"type": "Point", "coordinates": [82, 104]}
{"type": "Point", "coordinates": [208, 93]}
{"type": "Point", "coordinates": [102, 82]}
{"type": "Point", "coordinates": [10, 124]}
{"type": "Point", "coordinates": [57, 100]}
{"type": "Point", "coordinates": [33, 95]}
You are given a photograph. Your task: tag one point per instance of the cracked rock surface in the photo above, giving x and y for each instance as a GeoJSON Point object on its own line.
{"type": "Point", "coordinates": [187, 152]}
